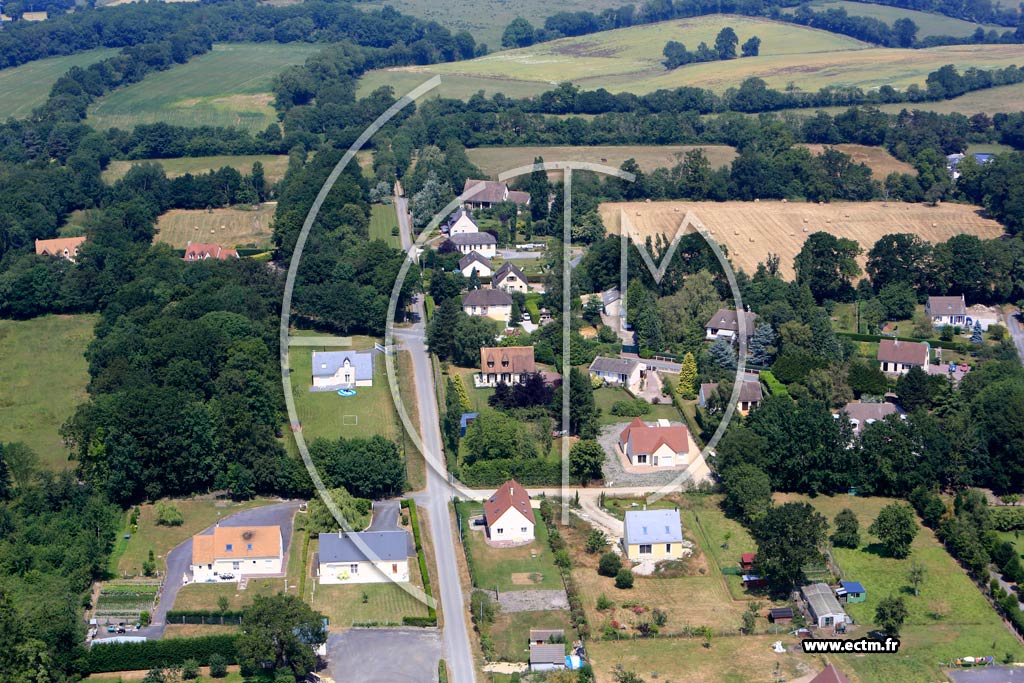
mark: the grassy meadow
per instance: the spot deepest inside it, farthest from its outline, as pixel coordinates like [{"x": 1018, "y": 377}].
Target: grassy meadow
[
  {"x": 229, "y": 86},
  {"x": 274, "y": 165},
  {"x": 928, "y": 23},
  {"x": 25, "y": 87},
  {"x": 605, "y": 398},
  {"x": 227, "y": 227},
  {"x": 382, "y": 220},
  {"x": 43, "y": 373},
  {"x": 494, "y": 160},
  {"x": 629, "y": 60}
]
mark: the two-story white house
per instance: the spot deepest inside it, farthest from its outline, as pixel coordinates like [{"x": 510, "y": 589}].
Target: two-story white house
[
  {"x": 510, "y": 279},
  {"x": 462, "y": 223},
  {"x": 231, "y": 552},
  {"x": 482, "y": 243},
  {"x": 660, "y": 445},
  {"x": 504, "y": 364},
  {"x": 364, "y": 557},
  {"x": 489, "y": 303},
  {"x": 508, "y": 515},
  {"x": 724, "y": 324}
]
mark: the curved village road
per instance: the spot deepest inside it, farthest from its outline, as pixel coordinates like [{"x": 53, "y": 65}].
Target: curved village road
[{"x": 178, "y": 560}]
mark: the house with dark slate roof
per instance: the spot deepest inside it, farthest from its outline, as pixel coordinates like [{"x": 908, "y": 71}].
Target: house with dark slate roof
[
  {"x": 488, "y": 303},
  {"x": 617, "y": 371},
  {"x": 342, "y": 370},
  {"x": 364, "y": 557},
  {"x": 492, "y": 193},
  {"x": 474, "y": 261},
  {"x": 482, "y": 243},
  {"x": 898, "y": 357},
  {"x": 510, "y": 279},
  {"x": 724, "y": 324}
]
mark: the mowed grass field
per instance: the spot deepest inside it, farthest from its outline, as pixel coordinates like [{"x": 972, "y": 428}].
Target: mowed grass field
[
  {"x": 629, "y": 60},
  {"x": 928, "y": 24},
  {"x": 25, "y": 87},
  {"x": 878, "y": 159},
  {"x": 494, "y": 160},
  {"x": 382, "y": 219},
  {"x": 229, "y": 86},
  {"x": 753, "y": 230},
  {"x": 43, "y": 373},
  {"x": 274, "y": 166},
  {"x": 227, "y": 227}
]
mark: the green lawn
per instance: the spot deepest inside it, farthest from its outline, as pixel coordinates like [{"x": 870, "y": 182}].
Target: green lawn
[
  {"x": 233, "y": 677},
  {"x": 382, "y": 220},
  {"x": 605, "y": 397},
  {"x": 25, "y": 87},
  {"x": 274, "y": 165},
  {"x": 229, "y": 86},
  {"x": 199, "y": 513},
  {"x": 325, "y": 414},
  {"x": 33, "y": 402},
  {"x": 521, "y": 568},
  {"x": 511, "y": 632}
]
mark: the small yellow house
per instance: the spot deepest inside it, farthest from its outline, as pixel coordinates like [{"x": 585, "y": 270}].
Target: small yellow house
[{"x": 653, "y": 535}]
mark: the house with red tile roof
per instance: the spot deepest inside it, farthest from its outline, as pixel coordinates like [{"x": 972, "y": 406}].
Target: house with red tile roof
[
  {"x": 196, "y": 251},
  {"x": 508, "y": 516},
  {"x": 661, "y": 445},
  {"x": 62, "y": 247}
]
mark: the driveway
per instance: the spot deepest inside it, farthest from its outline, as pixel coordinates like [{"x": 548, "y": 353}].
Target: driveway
[
  {"x": 385, "y": 518},
  {"x": 180, "y": 558},
  {"x": 1013, "y": 324},
  {"x": 384, "y": 655},
  {"x": 991, "y": 674}
]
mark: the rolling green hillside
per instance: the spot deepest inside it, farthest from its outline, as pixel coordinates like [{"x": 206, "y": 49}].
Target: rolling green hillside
[{"x": 25, "y": 87}]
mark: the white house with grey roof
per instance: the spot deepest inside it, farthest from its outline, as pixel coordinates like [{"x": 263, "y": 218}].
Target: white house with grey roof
[
  {"x": 617, "y": 371},
  {"x": 652, "y": 535},
  {"x": 342, "y": 370},
  {"x": 823, "y": 605},
  {"x": 474, "y": 261},
  {"x": 342, "y": 558},
  {"x": 482, "y": 243},
  {"x": 725, "y": 324}
]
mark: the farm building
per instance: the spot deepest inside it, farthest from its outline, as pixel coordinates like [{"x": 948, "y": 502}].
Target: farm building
[
  {"x": 342, "y": 369},
  {"x": 780, "y": 615},
  {"x": 852, "y": 591},
  {"x": 663, "y": 445},
  {"x": 862, "y": 414},
  {"x": 747, "y": 561},
  {"x": 231, "y": 552},
  {"x": 617, "y": 371},
  {"x": 751, "y": 394},
  {"x": 547, "y": 657},
  {"x": 724, "y": 324},
  {"x": 540, "y": 636},
  {"x": 462, "y": 223},
  {"x": 652, "y": 535},
  {"x": 823, "y": 606},
  {"x": 510, "y": 279},
  {"x": 364, "y": 557},
  {"x": 508, "y": 515},
  {"x": 897, "y": 357},
  {"x": 62, "y": 247},
  {"x": 504, "y": 364},
  {"x": 482, "y": 243},
  {"x": 492, "y": 193},
  {"x": 474, "y": 261},
  {"x": 196, "y": 251},
  {"x": 946, "y": 310}
]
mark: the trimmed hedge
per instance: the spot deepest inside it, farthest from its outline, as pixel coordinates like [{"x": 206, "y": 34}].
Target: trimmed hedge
[
  {"x": 414, "y": 521},
  {"x": 935, "y": 343},
  {"x": 198, "y": 616},
  {"x": 775, "y": 387},
  {"x": 159, "y": 654}
]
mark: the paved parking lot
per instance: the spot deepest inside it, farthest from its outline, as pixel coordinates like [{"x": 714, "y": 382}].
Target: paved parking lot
[
  {"x": 384, "y": 655},
  {"x": 992, "y": 674}
]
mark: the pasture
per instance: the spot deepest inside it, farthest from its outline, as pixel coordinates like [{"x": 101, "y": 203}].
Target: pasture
[
  {"x": 752, "y": 230},
  {"x": 494, "y": 160},
  {"x": 274, "y": 166},
  {"x": 229, "y": 86},
  {"x": 928, "y": 23},
  {"x": 25, "y": 87},
  {"x": 43, "y": 373},
  {"x": 228, "y": 227},
  {"x": 1005, "y": 98},
  {"x": 878, "y": 159},
  {"x": 382, "y": 219},
  {"x": 629, "y": 60}
]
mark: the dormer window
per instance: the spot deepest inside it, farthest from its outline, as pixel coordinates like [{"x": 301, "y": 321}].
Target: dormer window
[
  {"x": 490, "y": 363},
  {"x": 504, "y": 363},
  {"x": 248, "y": 546}
]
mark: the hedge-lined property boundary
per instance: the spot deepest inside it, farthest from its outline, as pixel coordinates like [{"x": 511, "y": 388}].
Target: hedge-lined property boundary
[
  {"x": 198, "y": 616},
  {"x": 414, "y": 522},
  {"x": 937, "y": 343},
  {"x": 159, "y": 654}
]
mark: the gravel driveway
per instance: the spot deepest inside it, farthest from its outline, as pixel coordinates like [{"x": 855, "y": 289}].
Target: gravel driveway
[
  {"x": 615, "y": 475},
  {"x": 384, "y": 655}
]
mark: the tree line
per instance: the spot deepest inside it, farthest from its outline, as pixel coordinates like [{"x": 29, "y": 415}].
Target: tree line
[{"x": 676, "y": 54}]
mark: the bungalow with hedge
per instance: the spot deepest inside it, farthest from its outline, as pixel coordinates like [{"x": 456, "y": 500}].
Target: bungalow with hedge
[{"x": 364, "y": 557}]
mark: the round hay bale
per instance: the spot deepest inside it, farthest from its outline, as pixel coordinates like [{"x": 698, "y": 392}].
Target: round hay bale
[
  {"x": 807, "y": 220},
  {"x": 935, "y": 225},
  {"x": 735, "y": 232},
  {"x": 805, "y": 229},
  {"x": 783, "y": 200},
  {"x": 638, "y": 213},
  {"x": 751, "y": 239},
  {"x": 756, "y": 200},
  {"x": 676, "y": 209},
  {"x": 648, "y": 201}
]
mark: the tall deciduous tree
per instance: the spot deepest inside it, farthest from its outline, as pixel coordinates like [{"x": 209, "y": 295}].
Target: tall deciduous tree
[
  {"x": 789, "y": 538},
  {"x": 725, "y": 43},
  {"x": 847, "y": 533},
  {"x": 748, "y": 491},
  {"x": 751, "y": 47},
  {"x": 826, "y": 263},
  {"x": 890, "y": 615},
  {"x": 280, "y": 633},
  {"x": 895, "y": 528},
  {"x": 586, "y": 458}
]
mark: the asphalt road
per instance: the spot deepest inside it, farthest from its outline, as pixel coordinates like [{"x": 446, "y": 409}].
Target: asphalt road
[
  {"x": 990, "y": 674},
  {"x": 391, "y": 655},
  {"x": 1013, "y": 323},
  {"x": 435, "y": 499},
  {"x": 180, "y": 558}
]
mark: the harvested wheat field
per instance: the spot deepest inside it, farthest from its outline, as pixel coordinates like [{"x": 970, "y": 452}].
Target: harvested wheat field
[
  {"x": 878, "y": 159},
  {"x": 752, "y": 230},
  {"x": 227, "y": 227}
]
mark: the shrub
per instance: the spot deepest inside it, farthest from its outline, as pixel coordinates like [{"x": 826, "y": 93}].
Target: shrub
[
  {"x": 659, "y": 616},
  {"x": 596, "y": 542},
  {"x": 190, "y": 669},
  {"x": 624, "y": 578},
  {"x": 562, "y": 558},
  {"x": 168, "y": 515},
  {"x": 145, "y": 618},
  {"x": 159, "y": 653},
  {"x": 609, "y": 564},
  {"x": 632, "y": 408},
  {"x": 604, "y": 603},
  {"x": 218, "y": 666}
]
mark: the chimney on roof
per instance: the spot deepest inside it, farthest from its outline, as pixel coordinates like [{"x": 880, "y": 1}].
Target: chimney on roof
[{"x": 511, "y": 490}]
